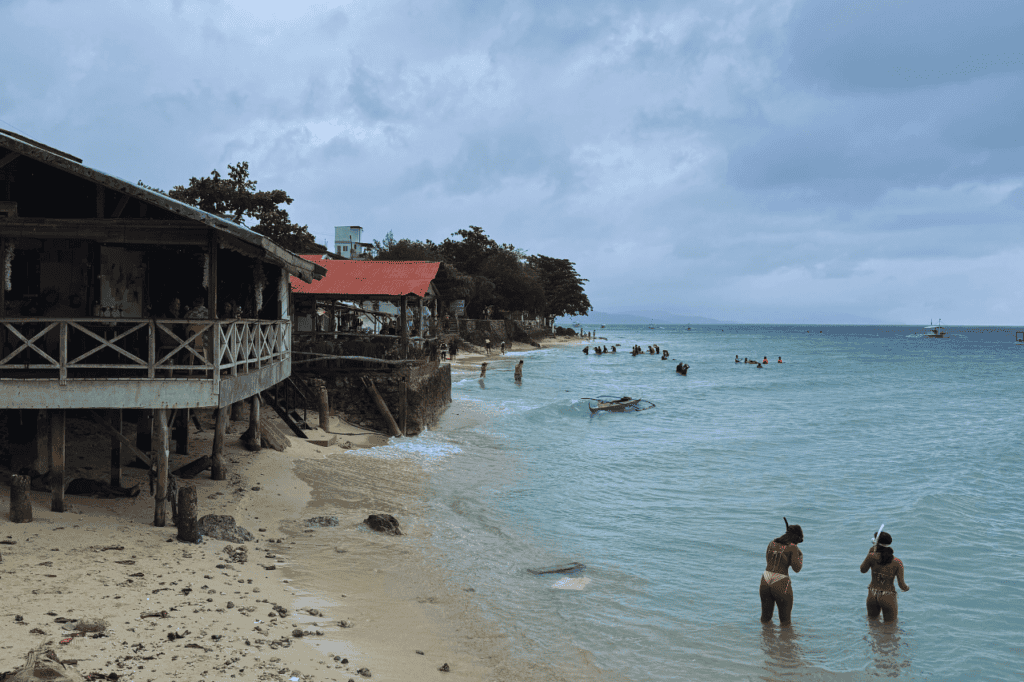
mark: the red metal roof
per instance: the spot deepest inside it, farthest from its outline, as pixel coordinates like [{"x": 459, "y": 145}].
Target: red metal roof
[{"x": 369, "y": 278}]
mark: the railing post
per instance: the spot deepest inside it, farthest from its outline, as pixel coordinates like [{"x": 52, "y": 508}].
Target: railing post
[
  {"x": 151, "y": 369},
  {"x": 215, "y": 357},
  {"x": 63, "y": 353}
]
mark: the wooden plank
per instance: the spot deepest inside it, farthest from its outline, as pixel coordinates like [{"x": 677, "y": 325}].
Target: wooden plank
[
  {"x": 285, "y": 417},
  {"x": 382, "y": 406},
  {"x": 163, "y": 445},
  {"x": 11, "y": 156},
  {"x": 101, "y": 198},
  {"x": 57, "y": 419},
  {"x": 116, "y": 433},
  {"x": 117, "y": 423},
  {"x": 119, "y": 209}
]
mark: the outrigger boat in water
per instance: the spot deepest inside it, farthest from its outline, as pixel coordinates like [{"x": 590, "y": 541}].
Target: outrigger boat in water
[
  {"x": 935, "y": 331},
  {"x": 607, "y": 403}
]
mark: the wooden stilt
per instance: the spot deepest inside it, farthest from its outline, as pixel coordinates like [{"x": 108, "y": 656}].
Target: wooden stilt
[
  {"x": 325, "y": 410},
  {"x": 116, "y": 420},
  {"x": 254, "y": 422},
  {"x": 21, "y": 503},
  {"x": 181, "y": 429},
  {"x": 382, "y": 406},
  {"x": 236, "y": 411},
  {"x": 188, "y": 522},
  {"x": 218, "y": 472},
  {"x": 403, "y": 405},
  {"x": 42, "y": 461},
  {"x": 57, "y": 418},
  {"x": 163, "y": 446}
]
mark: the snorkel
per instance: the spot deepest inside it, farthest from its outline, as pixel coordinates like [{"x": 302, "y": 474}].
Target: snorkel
[{"x": 874, "y": 540}]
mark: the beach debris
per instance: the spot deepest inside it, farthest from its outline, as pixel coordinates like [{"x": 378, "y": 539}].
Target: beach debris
[
  {"x": 37, "y": 631},
  {"x": 153, "y": 614},
  {"x": 420, "y": 652},
  {"x": 365, "y": 672},
  {"x": 322, "y": 522},
  {"x": 238, "y": 555},
  {"x": 345, "y": 623},
  {"x": 8, "y": 541},
  {"x": 42, "y": 663},
  {"x": 558, "y": 568},
  {"x": 223, "y": 527},
  {"x": 91, "y": 625},
  {"x": 383, "y": 523},
  {"x": 176, "y": 635},
  {"x": 19, "y": 619},
  {"x": 445, "y": 669}
]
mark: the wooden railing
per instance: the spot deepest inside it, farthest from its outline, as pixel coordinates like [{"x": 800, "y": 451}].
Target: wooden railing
[{"x": 90, "y": 348}]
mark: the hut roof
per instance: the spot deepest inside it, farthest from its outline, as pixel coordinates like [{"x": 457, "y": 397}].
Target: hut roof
[
  {"x": 369, "y": 278},
  {"x": 21, "y": 145}
]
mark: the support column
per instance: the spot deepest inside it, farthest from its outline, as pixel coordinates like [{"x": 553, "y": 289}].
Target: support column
[
  {"x": 218, "y": 472},
  {"x": 144, "y": 431},
  {"x": 403, "y": 324},
  {"x": 236, "y": 411},
  {"x": 57, "y": 418},
  {"x": 116, "y": 420},
  {"x": 403, "y": 405},
  {"x": 254, "y": 422},
  {"x": 181, "y": 431},
  {"x": 324, "y": 409},
  {"x": 21, "y": 503},
  {"x": 162, "y": 447}
]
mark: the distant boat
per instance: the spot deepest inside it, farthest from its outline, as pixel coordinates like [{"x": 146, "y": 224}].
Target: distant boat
[
  {"x": 602, "y": 326},
  {"x": 935, "y": 331},
  {"x": 623, "y": 404}
]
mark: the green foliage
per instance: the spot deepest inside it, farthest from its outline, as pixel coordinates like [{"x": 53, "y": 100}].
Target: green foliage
[
  {"x": 476, "y": 268},
  {"x": 237, "y": 199}
]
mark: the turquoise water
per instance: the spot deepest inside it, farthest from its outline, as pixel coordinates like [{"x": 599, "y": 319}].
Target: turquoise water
[{"x": 671, "y": 509}]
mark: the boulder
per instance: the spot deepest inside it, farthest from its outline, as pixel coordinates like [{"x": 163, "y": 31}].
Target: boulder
[
  {"x": 383, "y": 523},
  {"x": 222, "y": 527}
]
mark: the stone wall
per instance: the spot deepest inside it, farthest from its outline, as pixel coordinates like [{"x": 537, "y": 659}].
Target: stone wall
[{"x": 429, "y": 392}]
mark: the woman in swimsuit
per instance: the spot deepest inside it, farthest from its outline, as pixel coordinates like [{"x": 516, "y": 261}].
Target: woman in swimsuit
[
  {"x": 884, "y": 567},
  {"x": 776, "y": 587}
]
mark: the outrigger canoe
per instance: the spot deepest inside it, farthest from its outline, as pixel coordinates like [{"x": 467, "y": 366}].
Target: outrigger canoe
[{"x": 623, "y": 404}]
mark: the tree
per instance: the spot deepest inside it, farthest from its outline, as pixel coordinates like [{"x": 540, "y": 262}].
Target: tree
[
  {"x": 405, "y": 249},
  {"x": 563, "y": 287},
  {"x": 236, "y": 198}
]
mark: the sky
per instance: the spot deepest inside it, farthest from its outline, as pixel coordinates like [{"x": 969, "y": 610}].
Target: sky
[{"x": 775, "y": 161}]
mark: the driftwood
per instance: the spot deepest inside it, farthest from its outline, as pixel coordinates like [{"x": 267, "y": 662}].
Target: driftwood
[
  {"x": 193, "y": 468},
  {"x": 382, "y": 406}
]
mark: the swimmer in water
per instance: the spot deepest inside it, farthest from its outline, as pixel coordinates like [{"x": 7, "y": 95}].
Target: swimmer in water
[
  {"x": 519, "y": 372},
  {"x": 776, "y": 587},
  {"x": 780, "y": 359},
  {"x": 483, "y": 369},
  {"x": 765, "y": 361},
  {"x": 737, "y": 358},
  {"x": 884, "y": 568}
]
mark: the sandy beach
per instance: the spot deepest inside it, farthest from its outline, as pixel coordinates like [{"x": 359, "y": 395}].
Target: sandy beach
[{"x": 308, "y": 601}]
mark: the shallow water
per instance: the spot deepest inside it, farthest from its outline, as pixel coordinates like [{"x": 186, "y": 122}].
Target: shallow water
[{"x": 671, "y": 508}]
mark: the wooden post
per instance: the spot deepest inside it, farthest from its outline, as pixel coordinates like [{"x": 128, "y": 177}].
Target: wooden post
[
  {"x": 180, "y": 427},
  {"x": 57, "y": 418},
  {"x": 144, "y": 431},
  {"x": 21, "y": 503},
  {"x": 254, "y": 422},
  {"x": 217, "y": 469},
  {"x": 382, "y": 406},
  {"x": 163, "y": 454},
  {"x": 116, "y": 420},
  {"x": 419, "y": 318},
  {"x": 236, "y": 411},
  {"x": 325, "y": 410},
  {"x": 403, "y": 324},
  {"x": 403, "y": 405},
  {"x": 211, "y": 291},
  {"x": 42, "y": 459},
  {"x": 188, "y": 515}
]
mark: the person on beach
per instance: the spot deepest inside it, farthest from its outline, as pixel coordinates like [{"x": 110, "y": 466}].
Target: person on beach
[
  {"x": 454, "y": 349},
  {"x": 483, "y": 369},
  {"x": 776, "y": 587},
  {"x": 502, "y": 347},
  {"x": 884, "y": 568},
  {"x": 519, "y": 372},
  {"x": 487, "y": 346}
]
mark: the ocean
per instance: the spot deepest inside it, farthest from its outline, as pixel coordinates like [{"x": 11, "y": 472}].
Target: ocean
[{"x": 670, "y": 509}]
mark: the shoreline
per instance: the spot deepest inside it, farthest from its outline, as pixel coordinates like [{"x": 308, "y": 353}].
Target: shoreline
[{"x": 104, "y": 559}]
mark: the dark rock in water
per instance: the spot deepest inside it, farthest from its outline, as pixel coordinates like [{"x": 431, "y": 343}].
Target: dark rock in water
[
  {"x": 383, "y": 523},
  {"x": 560, "y": 568},
  {"x": 222, "y": 527},
  {"x": 322, "y": 521}
]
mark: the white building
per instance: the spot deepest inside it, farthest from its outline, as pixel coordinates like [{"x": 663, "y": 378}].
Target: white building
[{"x": 349, "y": 244}]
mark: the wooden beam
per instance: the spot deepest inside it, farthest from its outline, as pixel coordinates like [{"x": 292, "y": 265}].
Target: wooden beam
[
  {"x": 119, "y": 209},
  {"x": 57, "y": 419},
  {"x": 101, "y": 199},
  {"x": 8, "y": 158},
  {"x": 102, "y": 421},
  {"x": 404, "y": 332},
  {"x": 163, "y": 454},
  {"x": 212, "y": 302},
  {"x": 382, "y": 406},
  {"x": 115, "y": 448}
]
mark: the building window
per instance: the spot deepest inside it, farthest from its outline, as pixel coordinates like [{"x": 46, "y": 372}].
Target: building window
[{"x": 344, "y": 248}]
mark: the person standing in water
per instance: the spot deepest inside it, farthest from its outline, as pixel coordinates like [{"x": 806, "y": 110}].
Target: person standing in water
[
  {"x": 884, "y": 568},
  {"x": 776, "y": 587},
  {"x": 483, "y": 370},
  {"x": 519, "y": 372}
]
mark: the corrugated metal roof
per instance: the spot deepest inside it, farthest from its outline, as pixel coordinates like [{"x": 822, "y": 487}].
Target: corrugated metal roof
[
  {"x": 73, "y": 165},
  {"x": 369, "y": 278}
]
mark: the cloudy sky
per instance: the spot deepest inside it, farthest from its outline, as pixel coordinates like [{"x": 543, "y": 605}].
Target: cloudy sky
[{"x": 755, "y": 161}]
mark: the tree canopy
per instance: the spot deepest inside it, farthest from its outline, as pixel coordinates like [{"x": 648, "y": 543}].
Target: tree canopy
[
  {"x": 236, "y": 198},
  {"x": 484, "y": 273}
]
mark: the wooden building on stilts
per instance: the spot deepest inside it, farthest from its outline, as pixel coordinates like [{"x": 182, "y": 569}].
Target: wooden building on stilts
[{"x": 119, "y": 300}]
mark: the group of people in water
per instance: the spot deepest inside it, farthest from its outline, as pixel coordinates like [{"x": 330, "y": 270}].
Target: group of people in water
[
  {"x": 517, "y": 373},
  {"x": 760, "y": 363},
  {"x": 598, "y": 350},
  {"x": 654, "y": 349},
  {"x": 782, "y": 554}
]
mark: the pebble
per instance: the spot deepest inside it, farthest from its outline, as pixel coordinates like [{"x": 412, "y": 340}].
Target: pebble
[
  {"x": 296, "y": 632},
  {"x": 445, "y": 669},
  {"x": 365, "y": 672}
]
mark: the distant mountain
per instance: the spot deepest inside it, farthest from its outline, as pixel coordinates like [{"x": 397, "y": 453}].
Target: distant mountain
[{"x": 638, "y": 317}]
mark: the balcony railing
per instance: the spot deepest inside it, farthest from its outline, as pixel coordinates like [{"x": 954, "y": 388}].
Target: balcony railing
[{"x": 107, "y": 348}]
